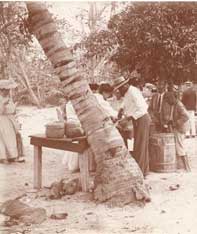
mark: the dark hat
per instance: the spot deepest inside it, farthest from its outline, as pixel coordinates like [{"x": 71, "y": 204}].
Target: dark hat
[
  {"x": 135, "y": 74},
  {"x": 93, "y": 86},
  {"x": 105, "y": 87},
  {"x": 119, "y": 82}
]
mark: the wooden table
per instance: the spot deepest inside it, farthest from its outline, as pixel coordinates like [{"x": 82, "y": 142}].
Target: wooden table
[{"x": 78, "y": 145}]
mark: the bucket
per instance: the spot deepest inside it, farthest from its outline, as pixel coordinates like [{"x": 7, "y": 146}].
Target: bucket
[
  {"x": 162, "y": 153},
  {"x": 73, "y": 129},
  {"x": 55, "y": 130}
]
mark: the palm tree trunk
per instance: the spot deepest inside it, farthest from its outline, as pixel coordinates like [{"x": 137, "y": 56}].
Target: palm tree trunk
[{"x": 118, "y": 177}]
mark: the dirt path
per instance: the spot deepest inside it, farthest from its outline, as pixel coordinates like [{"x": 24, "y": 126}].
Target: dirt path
[{"x": 170, "y": 212}]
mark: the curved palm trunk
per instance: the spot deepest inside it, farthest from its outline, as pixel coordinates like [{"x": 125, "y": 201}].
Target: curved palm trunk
[{"x": 118, "y": 176}]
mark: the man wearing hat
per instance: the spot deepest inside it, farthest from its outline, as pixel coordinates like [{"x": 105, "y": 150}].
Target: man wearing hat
[
  {"x": 178, "y": 123},
  {"x": 135, "y": 109},
  {"x": 156, "y": 105}
]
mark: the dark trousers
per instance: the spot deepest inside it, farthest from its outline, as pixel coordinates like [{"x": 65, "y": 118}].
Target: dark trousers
[
  {"x": 141, "y": 142},
  {"x": 19, "y": 145},
  {"x": 125, "y": 135}
]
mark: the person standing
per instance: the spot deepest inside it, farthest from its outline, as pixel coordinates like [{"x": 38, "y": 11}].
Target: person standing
[
  {"x": 11, "y": 147},
  {"x": 178, "y": 123},
  {"x": 189, "y": 99},
  {"x": 135, "y": 109},
  {"x": 155, "y": 105}
]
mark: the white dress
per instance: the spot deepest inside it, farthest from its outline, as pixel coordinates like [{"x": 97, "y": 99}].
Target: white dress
[{"x": 8, "y": 143}]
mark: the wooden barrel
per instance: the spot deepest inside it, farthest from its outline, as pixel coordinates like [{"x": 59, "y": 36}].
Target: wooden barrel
[
  {"x": 196, "y": 123},
  {"x": 162, "y": 153}
]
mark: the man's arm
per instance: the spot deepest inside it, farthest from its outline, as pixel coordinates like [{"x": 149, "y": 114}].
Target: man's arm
[{"x": 183, "y": 115}]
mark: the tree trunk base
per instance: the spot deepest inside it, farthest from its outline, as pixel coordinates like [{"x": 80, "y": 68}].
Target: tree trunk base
[
  {"x": 120, "y": 180},
  {"x": 123, "y": 200}
]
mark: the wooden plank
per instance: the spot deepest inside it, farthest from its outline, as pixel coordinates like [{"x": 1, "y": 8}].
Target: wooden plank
[
  {"x": 84, "y": 171},
  {"x": 61, "y": 144},
  {"x": 91, "y": 160},
  {"x": 43, "y": 136},
  {"x": 37, "y": 167}
]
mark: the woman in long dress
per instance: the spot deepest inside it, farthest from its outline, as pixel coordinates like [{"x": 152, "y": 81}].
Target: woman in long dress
[{"x": 9, "y": 127}]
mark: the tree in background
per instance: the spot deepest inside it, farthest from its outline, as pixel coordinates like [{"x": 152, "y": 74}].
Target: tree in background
[
  {"x": 21, "y": 56},
  {"x": 159, "y": 39},
  {"x": 93, "y": 59},
  {"x": 13, "y": 33}
]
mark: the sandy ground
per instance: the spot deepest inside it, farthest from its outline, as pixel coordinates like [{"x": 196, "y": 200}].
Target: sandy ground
[{"x": 170, "y": 212}]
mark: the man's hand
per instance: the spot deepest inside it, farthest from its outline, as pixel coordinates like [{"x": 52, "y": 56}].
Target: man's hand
[
  {"x": 114, "y": 119},
  {"x": 165, "y": 126},
  {"x": 120, "y": 113}
]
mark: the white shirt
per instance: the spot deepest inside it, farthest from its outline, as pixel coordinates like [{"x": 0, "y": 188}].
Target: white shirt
[
  {"x": 134, "y": 104},
  {"x": 107, "y": 108},
  {"x": 115, "y": 103}
]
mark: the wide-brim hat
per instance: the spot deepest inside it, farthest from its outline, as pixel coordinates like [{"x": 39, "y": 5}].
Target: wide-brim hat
[
  {"x": 150, "y": 86},
  {"x": 7, "y": 84},
  {"x": 119, "y": 82}
]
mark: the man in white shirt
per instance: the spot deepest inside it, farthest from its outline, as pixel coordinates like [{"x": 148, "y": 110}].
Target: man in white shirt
[{"x": 135, "y": 109}]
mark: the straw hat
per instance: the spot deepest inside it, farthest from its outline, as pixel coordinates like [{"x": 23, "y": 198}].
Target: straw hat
[
  {"x": 150, "y": 86},
  {"x": 119, "y": 82},
  {"x": 7, "y": 84}
]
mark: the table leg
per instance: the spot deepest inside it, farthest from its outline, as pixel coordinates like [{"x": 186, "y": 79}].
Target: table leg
[
  {"x": 37, "y": 167},
  {"x": 91, "y": 160},
  {"x": 84, "y": 171}
]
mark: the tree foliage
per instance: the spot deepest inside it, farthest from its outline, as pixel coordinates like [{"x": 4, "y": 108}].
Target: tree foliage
[
  {"x": 13, "y": 31},
  {"x": 157, "y": 38},
  {"x": 21, "y": 56}
]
